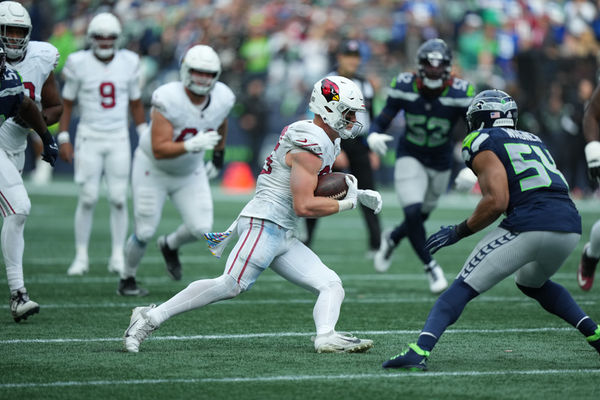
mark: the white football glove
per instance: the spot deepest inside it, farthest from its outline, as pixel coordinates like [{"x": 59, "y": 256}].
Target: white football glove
[
  {"x": 592, "y": 156},
  {"x": 370, "y": 198},
  {"x": 211, "y": 171},
  {"x": 377, "y": 142},
  {"x": 202, "y": 141},
  {"x": 465, "y": 180},
  {"x": 349, "y": 202}
]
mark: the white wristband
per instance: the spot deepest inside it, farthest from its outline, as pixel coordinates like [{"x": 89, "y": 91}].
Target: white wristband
[
  {"x": 345, "y": 205},
  {"x": 141, "y": 128},
  {"x": 63, "y": 138}
]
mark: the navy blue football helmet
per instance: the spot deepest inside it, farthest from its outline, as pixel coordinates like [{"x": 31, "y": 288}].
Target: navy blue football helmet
[
  {"x": 434, "y": 59},
  {"x": 492, "y": 108}
]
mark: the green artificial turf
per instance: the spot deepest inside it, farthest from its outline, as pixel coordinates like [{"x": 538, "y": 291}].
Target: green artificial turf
[{"x": 258, "y": 346}]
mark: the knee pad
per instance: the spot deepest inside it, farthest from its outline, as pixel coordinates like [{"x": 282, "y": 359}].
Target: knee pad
[
  {"x": 88, "y": 195},
  {"x": 199, "y": 230},
  {"x": 413, "y": 214},
  {"x": 22, "y": 207},
  {"x": 334, "y": 284},
  {"x": 229, "y": 285},
  {"x": 117, "y": 194},
  {"x": 143, "y": 233}
]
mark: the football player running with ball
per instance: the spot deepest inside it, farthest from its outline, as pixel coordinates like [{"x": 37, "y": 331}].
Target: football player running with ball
[
  {"x": 35, "y": 62},
  {"x": 519, "y": 178},
  {"x": 284, "y": 192},
  {"x": 591, "y": 131},
  {"x": 105, "y": 81},
  {"x": 433, "y": 102},
  {"x": 187, "y": 118}
]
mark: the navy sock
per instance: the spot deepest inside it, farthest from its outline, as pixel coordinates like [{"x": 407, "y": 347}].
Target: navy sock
[
  {"x": 558, "y": 301},
  {"x": 415, "y": 231},
  {"x": 446, "y": 310},
  {"x": 399, "y": 233}
]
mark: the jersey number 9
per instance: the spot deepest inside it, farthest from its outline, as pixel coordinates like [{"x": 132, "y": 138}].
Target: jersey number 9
[{"x": 107, "y": 92}]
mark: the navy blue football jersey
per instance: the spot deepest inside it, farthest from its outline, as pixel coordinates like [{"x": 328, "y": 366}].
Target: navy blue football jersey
[
  {"x": 539, "y": 194},
  {"x": 429, "y": 120},
  {"x": 11, "y": 94}
]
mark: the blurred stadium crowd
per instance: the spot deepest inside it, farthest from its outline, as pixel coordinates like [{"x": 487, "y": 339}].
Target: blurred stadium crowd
[{"x": 544, "y": 53}]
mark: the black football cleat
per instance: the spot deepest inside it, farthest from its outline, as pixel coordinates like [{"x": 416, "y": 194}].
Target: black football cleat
[{"x": 171, "y": 257}]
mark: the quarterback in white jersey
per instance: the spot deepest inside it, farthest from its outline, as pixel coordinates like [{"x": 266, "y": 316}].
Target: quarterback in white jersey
[
  {"x": 105, "y": 81},
  {"x": 34, "y": 62},
  {"x": 285, "y": 192},
  {"x": 187, "y": 118}
]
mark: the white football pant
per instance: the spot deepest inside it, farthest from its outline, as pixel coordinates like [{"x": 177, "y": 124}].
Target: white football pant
[{"x": 415, "y": 183}]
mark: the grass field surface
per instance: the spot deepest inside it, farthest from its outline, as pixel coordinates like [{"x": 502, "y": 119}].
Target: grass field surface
[{"x": 258, "y": 346}]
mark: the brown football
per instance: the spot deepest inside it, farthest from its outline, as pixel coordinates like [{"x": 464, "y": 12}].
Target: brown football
[{"x": 332, "y": 185}]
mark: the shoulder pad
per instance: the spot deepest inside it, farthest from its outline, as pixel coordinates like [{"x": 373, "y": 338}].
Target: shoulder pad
[
  {"x": 71, "y": 65},
  {"x": 472, "y": 143},
  {"x": 129, "y": 55},
  {"x": 224, "y": 94},
  {"x": 163, "y": 96},
  {"x": 404, "y": 87},
  {"x": 461, "y": 87},
  {"x": 307, "y": 136},
  {"x": 45, "y": 51}
]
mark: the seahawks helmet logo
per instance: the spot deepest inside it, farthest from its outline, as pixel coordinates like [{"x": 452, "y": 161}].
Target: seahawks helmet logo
[{"x": 330, "y": 90}]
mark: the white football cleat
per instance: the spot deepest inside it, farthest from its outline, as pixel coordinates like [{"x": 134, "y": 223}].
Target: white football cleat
[
  {"x": 435, "y": 275},
  {"x": 79, "y": 266},
  {"x": 383, "y": 257},
  {"x": 116, "y": 264},
  {"x": 341, "y": 342},
  {"x": 21, "y": 306},
  {"x": 139, "y": 329}
]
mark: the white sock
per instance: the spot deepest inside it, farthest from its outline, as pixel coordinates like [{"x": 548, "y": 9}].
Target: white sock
[
  {"x": 13, "y": 245},
  {"x": 181, "y": 236},
  {"x": 196, "y": 295},
  {"x": 327, "y": 308},
  {"x": 594, "y": 247},
  {"x": 134, "y": 251},
  {"x": 83, "y": 226},
  {"x": 118, "y": 228}
]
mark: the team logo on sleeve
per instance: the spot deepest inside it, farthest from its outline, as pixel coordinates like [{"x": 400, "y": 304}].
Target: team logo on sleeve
[{"x": 330, "y": 90}]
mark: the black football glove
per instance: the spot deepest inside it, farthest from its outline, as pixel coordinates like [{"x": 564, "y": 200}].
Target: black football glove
[{"x": 50, "y": 152}]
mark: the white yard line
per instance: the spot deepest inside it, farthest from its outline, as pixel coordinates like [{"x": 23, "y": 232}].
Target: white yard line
[
  {"x": 268, "y": 277},
  {"x": 347, "y": 300},
  {"x": 243, "y": 336},
  {"x": 297, "y": 378}
]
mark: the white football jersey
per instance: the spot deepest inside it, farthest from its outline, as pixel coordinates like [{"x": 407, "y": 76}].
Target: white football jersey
[
  {"x": 103, "y": 90},
  {"x": 40, "y": 59},
  {"x": 273, "y": 200},
  {"x": 187, "y": 120}
]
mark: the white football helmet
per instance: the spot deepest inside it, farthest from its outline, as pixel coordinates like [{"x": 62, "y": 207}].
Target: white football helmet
[
  {"x": 103, "y": 34},
  {"x": 13, "y": 14},
  {"x": 200, "y": 58},
  {"x": 332, "y": 99}
]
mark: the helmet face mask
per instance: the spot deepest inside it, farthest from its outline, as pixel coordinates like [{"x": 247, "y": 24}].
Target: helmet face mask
[
  {"x": 200, "y": 69},
  {"x": 434, "y": 60},
  {"x": 337, "y": 100},
  {"x": 15, "y": 29},
  {"x": 492, "y": 109},
  {"x": 103, "y": 34}
]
